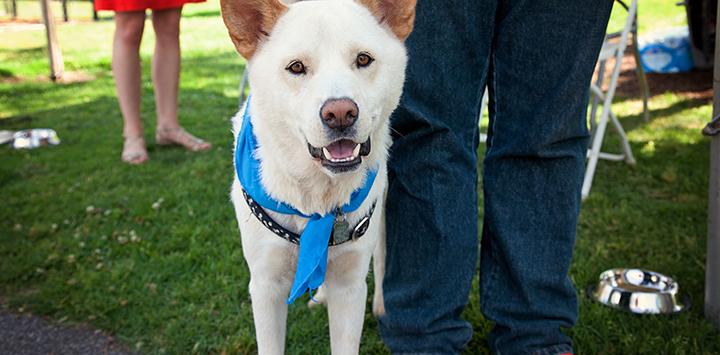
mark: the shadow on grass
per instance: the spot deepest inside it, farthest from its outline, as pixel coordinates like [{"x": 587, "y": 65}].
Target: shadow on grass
[
  {"x": 13, "y": 54},
  {"x": 102, "y": 107},
  {"x": 4, "y": 73},
  {"x": 634, "y": 121}
]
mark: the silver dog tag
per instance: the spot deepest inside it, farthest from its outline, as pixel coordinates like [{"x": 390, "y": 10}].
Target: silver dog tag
[{"x": 341, "y": 229}]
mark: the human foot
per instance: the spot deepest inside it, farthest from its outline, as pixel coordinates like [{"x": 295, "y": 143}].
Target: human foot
[
  {"x": 181, "y": 137},
  {"x": 134, "y": 151}
]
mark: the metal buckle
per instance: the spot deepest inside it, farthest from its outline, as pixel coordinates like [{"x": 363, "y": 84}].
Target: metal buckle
[{"x": 361, "y": 228}]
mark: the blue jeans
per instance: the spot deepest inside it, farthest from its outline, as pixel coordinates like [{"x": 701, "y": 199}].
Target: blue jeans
[{"x": 537, "y": 59}]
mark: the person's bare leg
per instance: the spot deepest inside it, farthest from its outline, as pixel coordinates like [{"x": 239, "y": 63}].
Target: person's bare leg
[
  {"x": 166, "y": 74},
  {"x": 126, "y": 70},
  {"x": 166, "y": 65}
]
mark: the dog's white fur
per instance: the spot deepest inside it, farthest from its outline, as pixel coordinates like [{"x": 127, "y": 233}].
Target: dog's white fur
[{"x": 326, "y": 36}]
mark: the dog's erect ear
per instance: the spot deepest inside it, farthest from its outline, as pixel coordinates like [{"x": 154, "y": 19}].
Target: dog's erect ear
[
  {"x": 250, "y": 21},
  {"x": 398, "y": 15}
]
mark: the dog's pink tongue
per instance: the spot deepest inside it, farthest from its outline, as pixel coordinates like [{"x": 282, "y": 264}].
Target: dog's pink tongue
[{"x": 341, "y": 149}]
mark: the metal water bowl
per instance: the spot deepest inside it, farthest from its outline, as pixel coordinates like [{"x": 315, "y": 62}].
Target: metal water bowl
[{"x": 637, "y": 291}]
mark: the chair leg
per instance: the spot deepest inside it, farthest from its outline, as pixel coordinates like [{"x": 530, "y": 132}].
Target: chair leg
[
  {"x": 589, "y": 174},
  {"x": 642, "y": 78},
  {"x": 627, "y": 150},
  {"x": 596, "y": 99},
  {"x": 594, "y": 153}
]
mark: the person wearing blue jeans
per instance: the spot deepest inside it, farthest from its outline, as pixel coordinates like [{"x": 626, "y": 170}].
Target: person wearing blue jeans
[{"x": 537, "y": 58}]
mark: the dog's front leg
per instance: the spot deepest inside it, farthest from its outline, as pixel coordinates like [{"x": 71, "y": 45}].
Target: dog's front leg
[
  {"x": 270, "y": 281},
  {"x": 346, "y": 292},
  {"x": 270, "y": 313}
]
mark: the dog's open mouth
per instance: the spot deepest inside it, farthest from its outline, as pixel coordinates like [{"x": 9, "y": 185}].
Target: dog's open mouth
[{"x": 342, "y": 155}]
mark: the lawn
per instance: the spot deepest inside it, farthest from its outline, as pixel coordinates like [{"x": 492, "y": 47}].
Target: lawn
[{"x": 152, "y": 253}]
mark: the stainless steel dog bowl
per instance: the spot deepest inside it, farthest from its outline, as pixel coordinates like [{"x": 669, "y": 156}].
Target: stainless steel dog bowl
[{"x": 637, "y": 291}]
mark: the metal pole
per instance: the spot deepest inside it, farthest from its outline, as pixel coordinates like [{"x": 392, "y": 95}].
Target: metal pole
[
  {"x": 640, "y": 71},
  {"x": 57, "y": 67},
  {"x": 65, "y": 11},
  {"x": 712, "y": 266}
]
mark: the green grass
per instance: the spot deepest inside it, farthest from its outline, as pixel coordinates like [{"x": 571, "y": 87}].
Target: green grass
[
  {"x": 180, "y": 285},
  {"x": 653, "y": 15}
]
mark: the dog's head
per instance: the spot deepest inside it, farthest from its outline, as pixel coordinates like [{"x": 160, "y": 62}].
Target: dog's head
[{"x": 325, "y": 75}]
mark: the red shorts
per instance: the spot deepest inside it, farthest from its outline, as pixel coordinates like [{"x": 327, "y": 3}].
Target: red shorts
[{"x": 140, "y": 5}]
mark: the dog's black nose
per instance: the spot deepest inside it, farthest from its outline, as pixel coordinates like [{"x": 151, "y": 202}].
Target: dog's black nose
[{"x": 339, "y": 113}]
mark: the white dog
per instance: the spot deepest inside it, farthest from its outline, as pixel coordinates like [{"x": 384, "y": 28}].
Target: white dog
[{"x": 325, "y": 77}]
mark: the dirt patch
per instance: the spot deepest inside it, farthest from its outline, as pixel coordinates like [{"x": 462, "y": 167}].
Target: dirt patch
[
  {"x": 696, "y": 84},
  {"x": 18, "y": 21},
  {"x": 18, "y": 25},
  {"x": 70, "y": 77},
  {"x": 22, "y": 333}
]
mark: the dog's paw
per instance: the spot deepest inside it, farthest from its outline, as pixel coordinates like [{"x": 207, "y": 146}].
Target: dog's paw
[
  {"x": 378, "y": 309},
  {"x": 318, "y": 298},
  {"x": 378, "y": 306}
]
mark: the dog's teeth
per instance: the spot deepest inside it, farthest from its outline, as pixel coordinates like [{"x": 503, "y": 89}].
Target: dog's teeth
[{"x": 329, "y": 157}]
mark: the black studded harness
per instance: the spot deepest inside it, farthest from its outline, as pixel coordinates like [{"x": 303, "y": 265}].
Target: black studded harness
[{"x": 341, "y": 232}]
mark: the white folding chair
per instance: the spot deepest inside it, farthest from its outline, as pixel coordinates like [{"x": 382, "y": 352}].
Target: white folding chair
[
  {"x": 614, "y": 46},
  {"x": 639, "y": 71}
]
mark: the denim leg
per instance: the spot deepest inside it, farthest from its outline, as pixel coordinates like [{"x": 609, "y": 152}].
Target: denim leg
[
  {"x": 432, "y": 196},
  {"x": 544, "y": 52}
]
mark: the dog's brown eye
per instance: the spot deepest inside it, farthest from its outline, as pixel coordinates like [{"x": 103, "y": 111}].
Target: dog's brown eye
[
  {"x": 296, "y": 67},
  {"x": 363, "y": 60}
]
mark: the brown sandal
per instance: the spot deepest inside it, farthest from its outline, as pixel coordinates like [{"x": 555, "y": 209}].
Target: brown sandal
[
  {"x": 181, "y": 137},
  {"x": 134, "y": 151}
]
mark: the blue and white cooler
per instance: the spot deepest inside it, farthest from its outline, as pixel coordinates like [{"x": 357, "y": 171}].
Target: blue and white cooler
[{"x": 666, "y": 52}]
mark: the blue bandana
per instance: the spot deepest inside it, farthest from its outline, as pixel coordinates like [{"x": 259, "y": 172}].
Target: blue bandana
[{"x": 312, "y": 260}]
